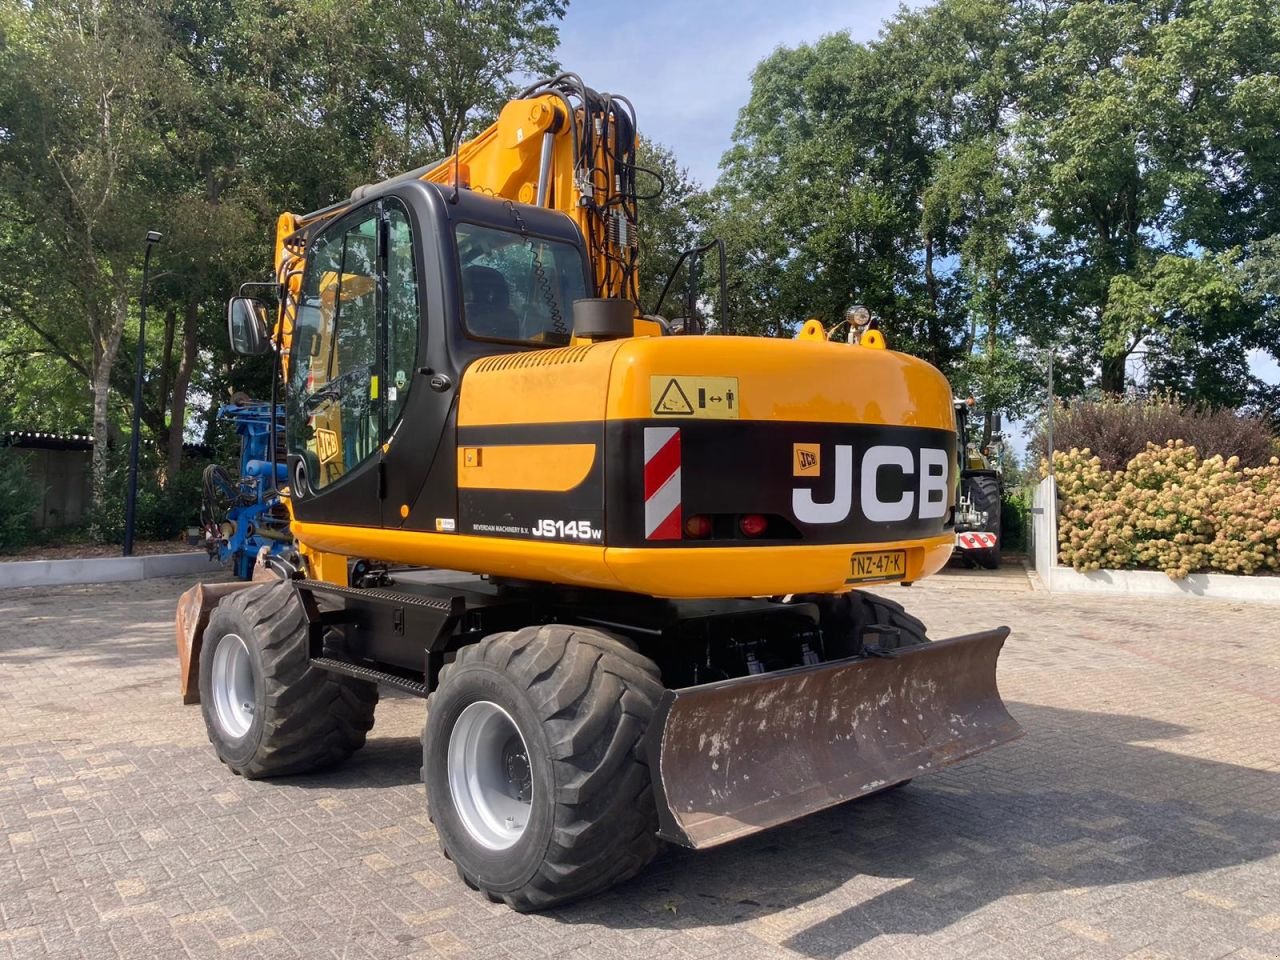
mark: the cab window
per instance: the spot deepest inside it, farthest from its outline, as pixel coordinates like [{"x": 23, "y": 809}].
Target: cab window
[
  {"x": 518, "y": 288},
  {"x": 334, "y": 396},
  {"x": 402, "y": 313}
]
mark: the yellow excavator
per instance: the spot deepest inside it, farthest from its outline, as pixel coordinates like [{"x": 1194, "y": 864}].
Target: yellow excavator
[{"x": 669, "y": 638}]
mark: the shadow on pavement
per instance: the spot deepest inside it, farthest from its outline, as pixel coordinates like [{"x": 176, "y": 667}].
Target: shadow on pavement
[
  {"x": 381, "y": 762},
  {"x": 1077, "y": 803}
]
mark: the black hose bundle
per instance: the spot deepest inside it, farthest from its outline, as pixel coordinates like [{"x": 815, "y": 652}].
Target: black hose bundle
[{"x": 603, "y": 127}]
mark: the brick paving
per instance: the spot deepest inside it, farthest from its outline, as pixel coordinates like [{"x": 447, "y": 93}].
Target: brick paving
[{"x": 1139, "y": 817}]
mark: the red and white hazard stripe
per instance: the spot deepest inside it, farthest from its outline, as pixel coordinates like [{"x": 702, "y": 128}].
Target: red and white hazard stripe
[
  {"x": 975, "y": 541},
  {"x": 662, "y": 519}
]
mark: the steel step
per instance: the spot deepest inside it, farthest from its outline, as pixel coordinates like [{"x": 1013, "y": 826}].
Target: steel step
[{"x": 415, "y": 687}]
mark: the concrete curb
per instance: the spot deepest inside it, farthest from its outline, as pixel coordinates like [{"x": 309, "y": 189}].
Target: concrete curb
[
  {"x": 1152, "y": 583},
  {"x": 56, "y": 573}
]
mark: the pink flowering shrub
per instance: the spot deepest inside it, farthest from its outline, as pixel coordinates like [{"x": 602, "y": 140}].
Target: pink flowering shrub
[{"x": 1168, "y": 510}]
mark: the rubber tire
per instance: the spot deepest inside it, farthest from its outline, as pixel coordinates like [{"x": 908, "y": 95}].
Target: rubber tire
[
  {"x": 984, "y": 493},
  {"x": 304, "y": 718},
  {"x": 582, "y": 699},
  {"x": 844, "y": 618},
  {"x": 878, "y": 611}
]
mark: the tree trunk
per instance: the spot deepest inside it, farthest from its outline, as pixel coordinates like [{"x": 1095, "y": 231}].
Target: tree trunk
[
  {"x": 931, "y": 285},
  {"x": 1113, "y": 374},
  {"x": 162, "y": 393},
  {"x": 181, "y": 383},
  {"x": 166, "y": 356},
  {"x": 105, "y": 351}
]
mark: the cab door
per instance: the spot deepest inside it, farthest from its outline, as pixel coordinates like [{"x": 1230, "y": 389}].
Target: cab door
[
  {"x": 336, "y": 395},
  {"x": 417, "y": 459}
]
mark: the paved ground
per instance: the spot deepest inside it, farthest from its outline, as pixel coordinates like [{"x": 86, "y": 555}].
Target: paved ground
[{"x": 1139, "y": 817}]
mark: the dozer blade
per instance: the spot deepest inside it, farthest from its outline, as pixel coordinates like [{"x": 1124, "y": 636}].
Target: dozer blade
[
  {"x": 738, "y": 756},
  {"x": 194, "y": 607}
]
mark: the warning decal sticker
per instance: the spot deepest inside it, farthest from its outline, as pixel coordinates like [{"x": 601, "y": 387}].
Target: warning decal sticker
[{"x": 712, "y": 398}]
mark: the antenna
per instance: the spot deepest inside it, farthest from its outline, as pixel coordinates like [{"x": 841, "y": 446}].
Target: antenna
[{"x": 457, "y": 178}]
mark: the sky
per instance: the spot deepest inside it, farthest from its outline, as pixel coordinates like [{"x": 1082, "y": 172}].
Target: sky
[{"x": 687, "y": 66}]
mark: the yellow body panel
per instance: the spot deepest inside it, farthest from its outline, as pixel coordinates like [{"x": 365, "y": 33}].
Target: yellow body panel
[
  {"x": 543, "y": 466},
  {"x": 544, "y": 386},
  {"x": 812, "y": 381},
  {"x": 690, "y": 572}
]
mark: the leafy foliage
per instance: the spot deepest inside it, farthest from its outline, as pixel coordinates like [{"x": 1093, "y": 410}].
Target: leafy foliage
[
  {"x": 203, "y": 120},
  {"x": 19, "y": 498},
  {"x": 1015, "y": 519},
  {"x": 669, "y": 217},
  {"x": 164, "y": 511},
  {"x": 995, "y": 177}
]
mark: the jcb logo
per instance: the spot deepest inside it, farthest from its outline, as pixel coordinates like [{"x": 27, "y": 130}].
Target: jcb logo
[
  {"x": 808, "y": 462},
  {"x": 326, "y": 445},
  {"x": 924, "y": 497}
]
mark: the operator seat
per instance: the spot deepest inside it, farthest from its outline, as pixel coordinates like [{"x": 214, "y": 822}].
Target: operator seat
[{"x": 488, "y": 304}]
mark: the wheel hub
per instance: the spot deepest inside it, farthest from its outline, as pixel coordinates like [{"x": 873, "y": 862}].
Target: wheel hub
[
  {"x": 490, "y": 778},
  {"x": 519, "y": 776},
  {"x": 234, "y": 688}
]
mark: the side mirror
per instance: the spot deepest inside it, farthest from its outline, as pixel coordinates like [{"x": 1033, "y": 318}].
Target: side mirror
[
  {"x": 997, "y": 424},
  {"x": 248, "y": 326}
]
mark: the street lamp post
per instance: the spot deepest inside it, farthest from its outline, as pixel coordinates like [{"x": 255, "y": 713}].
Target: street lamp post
[
  {"x": 1049, "y": 419},
  {"x": 131, "y": 504}
]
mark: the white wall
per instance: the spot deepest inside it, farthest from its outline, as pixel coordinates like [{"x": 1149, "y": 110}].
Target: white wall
[{"x": 1044, "y": 529}]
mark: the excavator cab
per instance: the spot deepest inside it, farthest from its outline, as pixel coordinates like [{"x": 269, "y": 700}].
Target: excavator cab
[{"x": 399, "y": 294}]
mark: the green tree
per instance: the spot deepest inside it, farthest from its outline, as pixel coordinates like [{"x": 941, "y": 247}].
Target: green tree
[
  {"x": 1148, "y": 132},
  {"x": 440, "y": 68},
  {"x": 995, "y": 176},
  {"x": 78, "y": 80},
  {"x": 669, "y": 219},
  {"x": 204, "y": 120}
]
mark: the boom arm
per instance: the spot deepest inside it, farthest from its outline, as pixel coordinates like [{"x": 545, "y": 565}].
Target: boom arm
[{"x": 564, "y": 146}]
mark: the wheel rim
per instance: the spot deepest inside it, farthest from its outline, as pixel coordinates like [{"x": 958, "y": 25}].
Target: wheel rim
[
  {"x": 489, "y": 775},
  {"x": 234, "y": 690}
]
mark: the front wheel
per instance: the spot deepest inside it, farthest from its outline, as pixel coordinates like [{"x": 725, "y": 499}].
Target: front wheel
[
  {"x": 533, "y": 762},
  {"x": 268, "y": 711}
]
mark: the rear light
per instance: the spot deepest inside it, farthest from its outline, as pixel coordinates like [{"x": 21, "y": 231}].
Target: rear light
[
  {"x": 752, "y": 524},
  {"x": 698, "y": 527}
]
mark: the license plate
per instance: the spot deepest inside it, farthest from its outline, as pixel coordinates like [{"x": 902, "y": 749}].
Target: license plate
[{"x": 879, "y": 565}]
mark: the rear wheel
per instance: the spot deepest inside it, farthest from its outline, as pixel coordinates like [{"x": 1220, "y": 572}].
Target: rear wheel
[
  {"x": 984, "y": 492},
  {"x": 268, "y": 711},
  {"x": 852, "y": 621},
  {"x": 533, "y": 762}
]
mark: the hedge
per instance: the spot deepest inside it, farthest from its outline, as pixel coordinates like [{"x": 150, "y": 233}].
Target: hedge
[
  {"x": 19, "y": 498},
  {"x": 1116, "y": 430},
  {"x": 1168, "y": 509}
]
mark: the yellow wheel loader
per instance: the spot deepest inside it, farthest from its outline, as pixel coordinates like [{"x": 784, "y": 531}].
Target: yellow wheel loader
[{"x": 670, "y": 638}]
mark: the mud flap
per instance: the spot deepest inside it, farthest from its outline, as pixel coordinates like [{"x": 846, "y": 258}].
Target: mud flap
[
  {"x": 738, "y": 756},
  {"x": 194, "y": 607}
]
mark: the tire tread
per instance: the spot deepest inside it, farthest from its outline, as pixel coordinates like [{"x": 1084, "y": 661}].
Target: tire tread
[
  {"x": 315, "y": 717},
  {"x": 595, "y": 696}
]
